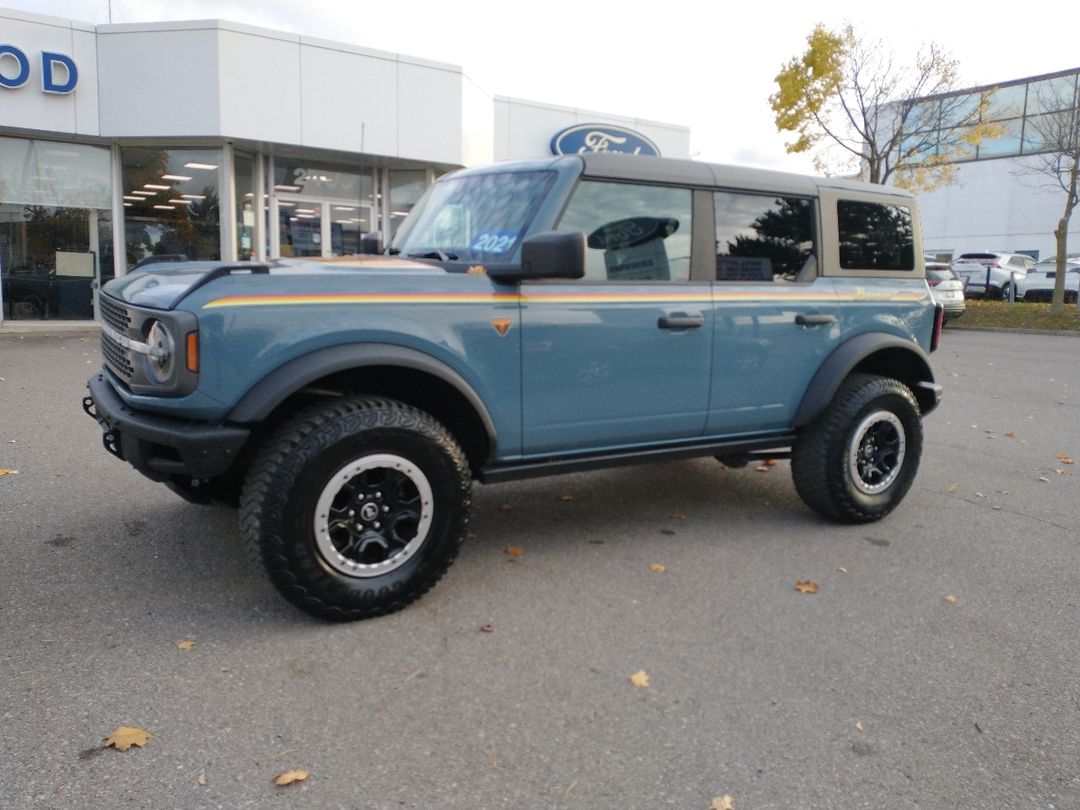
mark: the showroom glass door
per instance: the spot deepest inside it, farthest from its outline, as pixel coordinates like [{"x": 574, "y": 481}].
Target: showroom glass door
[
  {"x": 348, "y": 225},
  {"x": 300, "y": 228},
  {"x": 322, "y": 228}
]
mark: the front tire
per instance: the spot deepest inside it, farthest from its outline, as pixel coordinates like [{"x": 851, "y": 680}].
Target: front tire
[
  {"x": 856, "y": 463},
  {"x": 357, "y": 508}
]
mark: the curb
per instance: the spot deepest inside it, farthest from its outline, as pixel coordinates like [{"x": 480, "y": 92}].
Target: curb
[
  {"x": 48, "y": 328},
  {"x": 1053, "y": 332}
]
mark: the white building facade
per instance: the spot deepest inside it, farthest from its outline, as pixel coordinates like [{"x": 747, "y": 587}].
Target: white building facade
[
  {"x": 1000, "y": 201},
  {"x": 217, "y": 140}
]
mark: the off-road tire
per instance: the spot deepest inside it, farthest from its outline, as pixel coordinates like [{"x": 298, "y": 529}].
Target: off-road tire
[
  {"x": 858, "y": 460},
  {"x": 322, "y": 462}
]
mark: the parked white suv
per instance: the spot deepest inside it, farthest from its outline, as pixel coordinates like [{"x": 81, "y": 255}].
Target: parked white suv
[
  {"x": 972, "y": 269},
  {"x": 1038, "y": 282}
]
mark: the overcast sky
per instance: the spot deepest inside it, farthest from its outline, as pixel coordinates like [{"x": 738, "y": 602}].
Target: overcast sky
[{"x": 705, "y": 65}]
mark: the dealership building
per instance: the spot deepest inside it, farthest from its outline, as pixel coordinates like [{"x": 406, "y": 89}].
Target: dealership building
[
  {"x": 999, "y": 200},
  {"x": 217, "y": 140}
]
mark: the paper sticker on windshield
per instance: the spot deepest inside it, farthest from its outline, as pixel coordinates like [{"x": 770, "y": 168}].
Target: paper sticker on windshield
[{"x": 494, "y": 241}]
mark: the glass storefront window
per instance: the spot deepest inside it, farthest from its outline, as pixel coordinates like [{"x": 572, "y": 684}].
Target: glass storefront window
[
  {"x": 244, "y": 171},
  {"x": 306, "y": 178},
  {"x": 171, "y": 204},
  {"x": 406, "y": 188},
  {"x": 55, "y": 228},
  {"x": 52, "y": 260}
]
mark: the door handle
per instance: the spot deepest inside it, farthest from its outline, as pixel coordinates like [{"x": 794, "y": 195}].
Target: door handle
[
  {"x": 681, "y": 321},
  {"x": 814, "y": 319}
]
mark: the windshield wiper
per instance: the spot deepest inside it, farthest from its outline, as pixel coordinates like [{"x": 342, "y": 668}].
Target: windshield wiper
[
  {"x": 393, "y": 251},
  {"x": 433, "y": 253}
]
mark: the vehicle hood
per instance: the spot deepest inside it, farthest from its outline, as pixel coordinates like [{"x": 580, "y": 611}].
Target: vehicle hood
[{"x": 164, "y": 285}]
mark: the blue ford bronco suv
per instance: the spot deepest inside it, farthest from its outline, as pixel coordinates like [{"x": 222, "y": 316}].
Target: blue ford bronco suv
[{"x": 529, "y": 318}]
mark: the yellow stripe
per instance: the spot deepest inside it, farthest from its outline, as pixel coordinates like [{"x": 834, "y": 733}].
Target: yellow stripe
[{"x": 719, "y": 295}]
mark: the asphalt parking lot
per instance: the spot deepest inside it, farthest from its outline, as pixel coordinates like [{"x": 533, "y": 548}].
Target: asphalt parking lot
[{"x": 936, "y": 666}]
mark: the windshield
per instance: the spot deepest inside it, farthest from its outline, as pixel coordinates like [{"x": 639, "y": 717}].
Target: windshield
[{"x": 477, "y": 218}]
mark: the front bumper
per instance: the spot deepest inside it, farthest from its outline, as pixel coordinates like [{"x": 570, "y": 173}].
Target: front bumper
[{"x": 160, "y": 447}]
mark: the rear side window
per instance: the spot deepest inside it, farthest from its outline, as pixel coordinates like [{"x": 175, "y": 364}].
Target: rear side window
[
  {"x": 761, "y": 237},
  {"x": 875, "y": 236},
  {"x": 633, "y": 233}
]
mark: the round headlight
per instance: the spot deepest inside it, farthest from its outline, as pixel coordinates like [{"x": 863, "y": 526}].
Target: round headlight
[{"x": 162, "y": 351}]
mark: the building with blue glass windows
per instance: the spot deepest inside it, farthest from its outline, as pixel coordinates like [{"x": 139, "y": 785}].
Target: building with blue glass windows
[{"x": 1000, "y": 200}]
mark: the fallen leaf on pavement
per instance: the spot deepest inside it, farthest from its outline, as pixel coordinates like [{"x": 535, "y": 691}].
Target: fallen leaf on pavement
[
  {"x": 566, "y": 497},
  {"x": 514, "y": 551},
  {"x": 1060, "y": 472},
  {"x": 950, "y": 599},
  {"x": 806, "y": 586},
  {"x": 202, "y": 778},
  {"x": 487, "y": 628},
  {"x": 979, "y": 495},
  {"x": 1064, "y": 458},
  {"x": 952, "y": 487},
  {"x": 858, "y": 726},
  {"x": 640, "y": 679},
  {"x": 1010, "y": 435},
  {"x": 659, "y": 568},
  {"x": 724, "y": 802},
  {"x": 8, "y": 472},
  {"x": 678, "y": 516},
  {"x": 841, "y": 569},
  {"x": 126, "y": 736},
  {"x": 1044, "y": 479},
  {"x": 186, "y": 644},
  {"x": 290, "y": 778}
]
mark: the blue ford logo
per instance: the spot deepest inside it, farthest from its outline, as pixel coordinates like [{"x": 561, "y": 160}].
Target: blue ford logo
[{"x": 583, "y": 138}]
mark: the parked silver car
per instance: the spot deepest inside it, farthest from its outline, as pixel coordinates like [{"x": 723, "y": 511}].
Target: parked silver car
[
  {"x": 972, "y": 269},
  {"x": 1038, "y": 283},
  {"x": 946, "y": 288}
]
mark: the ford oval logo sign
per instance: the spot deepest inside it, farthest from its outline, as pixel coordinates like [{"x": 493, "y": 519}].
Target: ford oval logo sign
[{"x": 583, "y": 138}]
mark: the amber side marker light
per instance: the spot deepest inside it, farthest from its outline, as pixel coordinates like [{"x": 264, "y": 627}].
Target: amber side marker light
[{"x": 193, "y": 352}]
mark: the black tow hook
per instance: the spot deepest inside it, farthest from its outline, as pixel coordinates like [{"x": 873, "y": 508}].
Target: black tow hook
[
  {"x": 112, "y": 443},
  {"x": 89, "y": 407}
]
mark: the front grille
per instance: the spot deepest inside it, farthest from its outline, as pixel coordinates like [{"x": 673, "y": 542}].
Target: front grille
[
  {"x": 114, "y": 314},
  {"x": 116, "y": 357}
]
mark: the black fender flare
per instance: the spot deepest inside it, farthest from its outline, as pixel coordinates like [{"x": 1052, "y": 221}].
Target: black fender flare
[
  {"x": 916, "y": 372},
  {"x": 273, "y": 389}
]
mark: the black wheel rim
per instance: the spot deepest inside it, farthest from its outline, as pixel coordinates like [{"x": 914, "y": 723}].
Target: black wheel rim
[
  {"x": 373, "y": 515},
  {"x": 876, "y": 452}
]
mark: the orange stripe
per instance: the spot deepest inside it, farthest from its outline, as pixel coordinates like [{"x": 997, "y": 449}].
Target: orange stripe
[{"x": 719, "y": 295}]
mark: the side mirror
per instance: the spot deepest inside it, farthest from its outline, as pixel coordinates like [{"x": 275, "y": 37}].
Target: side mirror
[
  {"x": 551, "y": 254},
  {"x": 371, "y": 244}
]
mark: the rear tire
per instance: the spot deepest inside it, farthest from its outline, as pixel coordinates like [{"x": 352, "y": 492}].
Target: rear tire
[
  {"x": 856, "y": 463},
  {"x": 356, "y": 508}
]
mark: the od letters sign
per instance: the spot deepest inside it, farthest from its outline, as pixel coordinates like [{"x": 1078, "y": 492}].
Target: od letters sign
[{"x": 59, "y": 75}]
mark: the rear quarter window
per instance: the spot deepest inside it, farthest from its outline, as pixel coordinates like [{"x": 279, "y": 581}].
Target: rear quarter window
[{"x": 875, "y": 236}]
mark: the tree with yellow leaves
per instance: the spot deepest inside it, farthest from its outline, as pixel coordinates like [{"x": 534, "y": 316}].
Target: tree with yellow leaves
[{"x": 858, "y": 111}]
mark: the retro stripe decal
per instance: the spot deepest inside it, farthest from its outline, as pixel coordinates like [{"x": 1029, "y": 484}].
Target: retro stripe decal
[{"x": 630, "y": 297}]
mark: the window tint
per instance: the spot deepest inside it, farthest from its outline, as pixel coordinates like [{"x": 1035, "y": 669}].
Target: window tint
[
  {"x": 634, "y": 233},
  {"x": 762, "y": 238},
  {"x": 874, "y": 236}
]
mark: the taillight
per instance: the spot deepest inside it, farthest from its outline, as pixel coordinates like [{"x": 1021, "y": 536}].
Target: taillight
[
  {"x": 933, "y": 282},
  {"x": 939, "y": 322}
]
